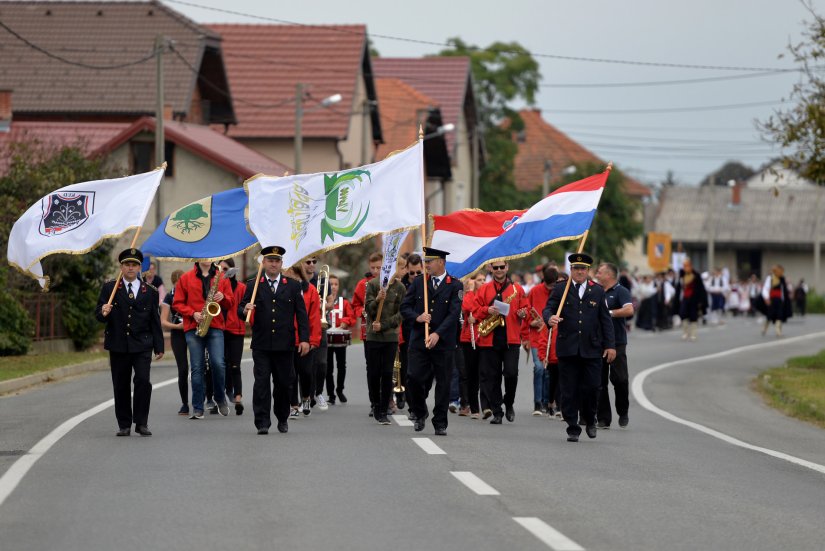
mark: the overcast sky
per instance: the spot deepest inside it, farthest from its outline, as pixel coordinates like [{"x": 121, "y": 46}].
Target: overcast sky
[{"x": 744, "y": 34}]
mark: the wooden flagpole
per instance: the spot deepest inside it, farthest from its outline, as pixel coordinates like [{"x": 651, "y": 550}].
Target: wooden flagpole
[
  {"x": 424, "y": 236},
  {"x": 255, "y": 289},
  {"x": 120, "y": 274}
]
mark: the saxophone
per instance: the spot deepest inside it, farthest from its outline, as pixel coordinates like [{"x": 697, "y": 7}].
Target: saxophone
[
  {"x": 487, "y": 325},
  {"x": 210, "y": 307}
]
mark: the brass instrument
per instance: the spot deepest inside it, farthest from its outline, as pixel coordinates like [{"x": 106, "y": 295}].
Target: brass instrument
[
  {"x": 396, "y": 373},
  {"x": 324, "y": 270},
  {"x": 487, "y": 325},
  {"x": 210, "y": 307},
  {"x": 537, "y": 316}
]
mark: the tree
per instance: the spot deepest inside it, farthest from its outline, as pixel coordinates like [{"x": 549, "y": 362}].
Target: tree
[
  {"x": 502, "y": 72},
  {"x": 35, "y": 169},
  {"x": 800, "y": 130},
  {"x": 732, "y": 170}
]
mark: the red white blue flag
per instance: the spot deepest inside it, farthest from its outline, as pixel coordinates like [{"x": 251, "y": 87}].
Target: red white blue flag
[{"x": 474, "y": 238}]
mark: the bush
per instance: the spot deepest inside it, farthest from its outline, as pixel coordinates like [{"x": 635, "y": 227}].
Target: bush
[
  {"x": 815, "y": 303},
  {"x": 17, "y": 329}
]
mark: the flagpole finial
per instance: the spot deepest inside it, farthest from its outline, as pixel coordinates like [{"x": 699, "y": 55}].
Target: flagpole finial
[
  {"x": 286, "y": 173},
  {"x": 420, "y": 132},
  {"x": 610, "y": 166},
  {"x": 163, "y": 166}
]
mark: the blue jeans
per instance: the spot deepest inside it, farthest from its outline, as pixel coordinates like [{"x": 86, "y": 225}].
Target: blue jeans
[
  {"x": 541, "y": 380},
  {"x": 213, "y": 341}
]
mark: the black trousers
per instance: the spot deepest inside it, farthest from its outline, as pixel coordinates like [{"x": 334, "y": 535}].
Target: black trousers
[
  {"x": 336, "y": 354},
  {"x": 303, "y": 377},
  {"x": 319, "y": 366},
  {"x": 471, "y": 368},
  {"x": 616, "y": 373},
  {"x": 273, "y": 374},
  {"x": 379, "y": 374},
  {"x": 233, "y": 352},
  {"x": 403, "y": 350},
  {"x": 181, "y": 352},
  {"x": 495, "y": 363},
  {"x": 122, "y": 364},
  {"x": 579, "y": 382},
  {"x": 426, "y": 366},
  {"x": 458, "y": 358}
]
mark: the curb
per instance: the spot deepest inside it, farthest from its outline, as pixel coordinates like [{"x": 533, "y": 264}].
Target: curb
[{"x": 51, "y": 375}]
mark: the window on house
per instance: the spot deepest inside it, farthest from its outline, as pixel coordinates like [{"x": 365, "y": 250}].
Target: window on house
[{"x": 143, "y": 157}]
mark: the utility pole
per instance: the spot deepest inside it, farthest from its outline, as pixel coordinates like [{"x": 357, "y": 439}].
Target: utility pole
[
  {"x": 299, "y": 115},
  {"x": 160, "y": 140},
  {"x": 545, "y": 185},
  {"x": 475, "y": 196},
  {"x": 364, "y": 118}
]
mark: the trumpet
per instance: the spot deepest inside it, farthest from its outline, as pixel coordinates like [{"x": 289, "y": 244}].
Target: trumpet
[
  {"x": 324, "y": 273},
  {"x": 396, "y": 373}
]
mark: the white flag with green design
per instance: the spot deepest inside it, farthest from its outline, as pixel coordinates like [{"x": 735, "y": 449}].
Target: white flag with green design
[{"x": 312, "y": 213}]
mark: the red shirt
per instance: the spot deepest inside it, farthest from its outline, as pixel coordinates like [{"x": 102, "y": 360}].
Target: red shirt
[
  {"x": 358, "y": 298},
  {"x": 233, "y": 323},
  {"x": 542, "y": 347},
  {"x": 189, "y": 299},
  {"x": 313, "y": 305},
  {"x": 516, "y": 330},
  {"x": 467, "y": 306},
  {"x": 347, "y": 317},
  {"x": 537, "y": 299}
]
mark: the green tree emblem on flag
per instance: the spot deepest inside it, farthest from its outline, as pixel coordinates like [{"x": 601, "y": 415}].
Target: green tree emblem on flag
[
  {"x": 344, "y": 214},
  {"x": 192, "y": 222}
]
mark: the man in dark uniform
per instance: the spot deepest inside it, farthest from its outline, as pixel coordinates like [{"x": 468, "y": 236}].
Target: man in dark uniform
[
  {"x": 431, "y": 357},
  {"x": 279, "y": 311},
  {"x": 585, "y": 336},
  {"x": 132, "y": 332}
]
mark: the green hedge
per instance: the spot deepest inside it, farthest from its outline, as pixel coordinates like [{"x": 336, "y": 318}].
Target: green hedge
[{"x": 17, "y": 329}]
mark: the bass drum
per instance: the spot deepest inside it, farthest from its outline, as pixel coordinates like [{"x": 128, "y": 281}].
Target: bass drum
[{"x": 337, "y": 338}]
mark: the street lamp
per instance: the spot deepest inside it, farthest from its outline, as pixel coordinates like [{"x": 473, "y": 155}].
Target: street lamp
[
  {"x": 299, "y": 115},
  {"x": 441, "y": 130}
]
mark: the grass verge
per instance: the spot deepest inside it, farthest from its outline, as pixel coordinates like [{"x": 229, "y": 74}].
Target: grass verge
[
  {"x": 12, "y": 367},
  {"x": 797, "y": 389}
]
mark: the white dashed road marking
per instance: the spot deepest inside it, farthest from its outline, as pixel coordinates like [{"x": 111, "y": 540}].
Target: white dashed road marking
[
  {"x": 429, "y": 446},
  {"x": 402, "y": 420},
  {"x": 548, "y": 535},
  {"x": 475, "y": 483}
]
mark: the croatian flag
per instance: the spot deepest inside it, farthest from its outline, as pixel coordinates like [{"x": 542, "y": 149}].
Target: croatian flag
[{"x": 475, "y": 238}]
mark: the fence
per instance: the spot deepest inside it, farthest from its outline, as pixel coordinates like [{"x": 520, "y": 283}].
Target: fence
[{"x": 46, "y": 309}]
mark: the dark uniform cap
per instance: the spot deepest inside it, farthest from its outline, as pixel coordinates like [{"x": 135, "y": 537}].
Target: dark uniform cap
[
  {"x": 580, "y": 259},
  {"x": 131, "y": 255},
  {"x": 274, "y": 250},
  {"x": 432, "y": 254}
]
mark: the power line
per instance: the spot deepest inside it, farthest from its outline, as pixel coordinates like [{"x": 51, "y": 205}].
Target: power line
[
  {"x": 659, "y": 128},
  {"x": 659, "y": 139},
  {"x": 76, "y": 63},
  {"x": 667, "y": 82},
  {"x": 661, "y": 110},
  {"x": 534, "y": 54}
]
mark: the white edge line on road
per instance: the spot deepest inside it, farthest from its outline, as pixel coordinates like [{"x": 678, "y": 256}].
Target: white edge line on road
[
  {"x": 429, "y": 446},
  {"x": 548, "y": 535},
  {"x": 402, "y": 420},
  {"x": 639, "y": 394},
  {"x": 475, "y": 483},
  {"x": 12, "y": 477}
]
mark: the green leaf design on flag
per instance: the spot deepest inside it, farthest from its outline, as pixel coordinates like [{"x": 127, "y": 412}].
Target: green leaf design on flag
[{"x": 341, "y": 216}]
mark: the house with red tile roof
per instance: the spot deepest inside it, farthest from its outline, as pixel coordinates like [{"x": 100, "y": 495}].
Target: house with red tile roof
[
  {"x": 448, "y": 82},
  {"x": 96, "y": 62},
  {"x": 266, "y": 63}
]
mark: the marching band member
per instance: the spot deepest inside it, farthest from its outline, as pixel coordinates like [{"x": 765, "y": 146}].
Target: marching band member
[
  {"x": 133, "y": 331},
  {"x": 341, "y": 316},
  {"x": 359, "y": 295},
  {"x": 192, "y": 290},
  {"x": 431, "y": 357},
  {"x": 280, "y": 315},
  {"x": 777, "y": 299},
  {"x": 500, "y": 347},
  {"x": 469, "y": 345},
  {"x": 303, "y": 363},
  {"x": 414, "y": 267},
  {"x": 382, "y": 342},
  {"x": 170, "y": 319},
  {"x": 233, "y": 335},
  {"x": 537, "y": 300}
]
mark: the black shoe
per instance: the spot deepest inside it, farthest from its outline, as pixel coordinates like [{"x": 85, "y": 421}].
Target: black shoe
[
  {"x": 283, "y": 427},
  {"x": 411, "y": 416},
  {"x": 372, "y": 411},
  {"x": 383, "y": 420},
  {"x": 238, "y": 408},
  {"x": 623, "y": 420},
  {"x": 123, "y": 432},
  {"x": 496, "y": 420},
  {"x": 510, "y": 414},
  {"x": 400, "y": 402},
  {"x": 264, "y": 430},
  {"x": 213, "y": 410},
  {"x": 341, "y": 396},
  {"x": 143, "y": 430},
  {"x": 331, "y": 400},
  {"x": 572, "y": 437},
  {"x": 440, "y": 431},
  {"x": 591, "y": 431},
  {"x": 419, "y": 425},
  {"x": 603, "y": 426}
]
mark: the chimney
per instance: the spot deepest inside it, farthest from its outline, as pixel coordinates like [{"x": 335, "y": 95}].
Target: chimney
[
  {"x": 735, "y": 193},
  {"x": 168, "y": 114},
  {"x": 5, "y": 110}
]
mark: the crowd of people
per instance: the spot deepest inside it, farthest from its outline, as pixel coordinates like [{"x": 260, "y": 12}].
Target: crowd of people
[{"x": 422, "y": 330}]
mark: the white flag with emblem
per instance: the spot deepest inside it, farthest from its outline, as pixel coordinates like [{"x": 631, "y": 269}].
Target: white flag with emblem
[
  {"x": 312, "y": 213},
  {"x": 77, "y": 218},
  {"x": 392, "y": 244}
]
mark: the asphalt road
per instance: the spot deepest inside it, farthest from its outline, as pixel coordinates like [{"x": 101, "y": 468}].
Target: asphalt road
[{"x": 339, "y": 480}]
